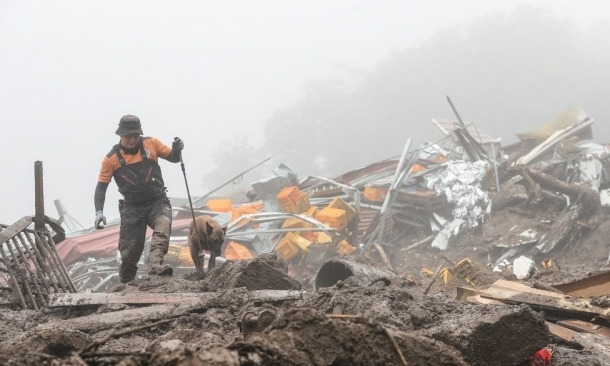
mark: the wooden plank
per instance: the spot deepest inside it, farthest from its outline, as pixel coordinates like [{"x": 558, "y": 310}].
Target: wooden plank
[
  {"x": 562, "y": 332},
  {"x": 592, "y": 286},
  {"x": 145, "y": 298},
  {"x": 516, "y": 293},
  {"x": 474, "y": 296},
  {"x": 519, "y": 287},
  {"x": 110, "y": 319},
  {"x": 14, "y": 229},
  {"x": 583, "y": 326},
  {"x": 478, "y": 299},
  {"x": 132, "y": 298},
  {"x": 165, "y": 311}
]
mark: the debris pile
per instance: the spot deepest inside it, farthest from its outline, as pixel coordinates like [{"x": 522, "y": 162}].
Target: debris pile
[{"x": 459, "y": 252}]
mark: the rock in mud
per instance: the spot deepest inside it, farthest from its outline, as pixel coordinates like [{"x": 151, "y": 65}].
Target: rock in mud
[{"x": 493, "y": 335}]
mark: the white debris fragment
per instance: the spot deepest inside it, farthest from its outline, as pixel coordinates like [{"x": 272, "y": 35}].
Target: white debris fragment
[
  {"x": 499, "y": 268},
  {"x": 524, "y": 268},
  {"x": 441, "y": 241}
]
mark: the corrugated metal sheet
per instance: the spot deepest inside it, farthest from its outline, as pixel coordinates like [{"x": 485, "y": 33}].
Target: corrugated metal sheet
[{"x": 566, "y": 119}]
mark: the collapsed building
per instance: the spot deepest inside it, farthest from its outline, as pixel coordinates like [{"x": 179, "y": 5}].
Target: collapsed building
[{"x": 353, "y": 254}]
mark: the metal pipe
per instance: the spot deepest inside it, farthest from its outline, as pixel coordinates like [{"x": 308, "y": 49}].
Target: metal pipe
[
  {"x": 339, "y": 269},
  {"x": 230, "y": 180}
]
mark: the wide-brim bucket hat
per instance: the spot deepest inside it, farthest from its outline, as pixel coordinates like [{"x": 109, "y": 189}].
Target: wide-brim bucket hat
[{"x": 129, "y": 124}]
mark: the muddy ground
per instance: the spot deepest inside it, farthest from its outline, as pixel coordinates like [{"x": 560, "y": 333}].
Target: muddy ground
[{"x": 406, "y": 319}]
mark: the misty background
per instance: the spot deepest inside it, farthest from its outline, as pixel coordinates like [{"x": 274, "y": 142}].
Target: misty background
[{"x": 320, "y": 86}]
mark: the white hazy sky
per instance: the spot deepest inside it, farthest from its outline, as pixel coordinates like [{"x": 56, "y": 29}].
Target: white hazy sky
[{"x": 206, "y": 71}]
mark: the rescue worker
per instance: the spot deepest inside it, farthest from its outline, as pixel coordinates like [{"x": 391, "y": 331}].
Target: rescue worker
[{"x": 133, "y": 163}]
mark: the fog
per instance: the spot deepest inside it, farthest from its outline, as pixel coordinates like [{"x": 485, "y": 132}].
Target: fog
[{"x": 206, "y": 71}]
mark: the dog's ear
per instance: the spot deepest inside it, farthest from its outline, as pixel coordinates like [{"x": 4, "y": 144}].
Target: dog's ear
[{"x": 209, "y": 228}]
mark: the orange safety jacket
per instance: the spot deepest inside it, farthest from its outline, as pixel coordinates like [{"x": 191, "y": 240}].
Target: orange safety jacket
[{"x": 137, "y": 175}]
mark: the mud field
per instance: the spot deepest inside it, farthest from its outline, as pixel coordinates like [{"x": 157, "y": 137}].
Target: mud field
[{"x": 407, "y": 318}]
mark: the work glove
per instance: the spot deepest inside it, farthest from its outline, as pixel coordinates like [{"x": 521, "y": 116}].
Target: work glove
[
  {"x": 100, "y": 220},
  {"x": 177, "y": 145}
]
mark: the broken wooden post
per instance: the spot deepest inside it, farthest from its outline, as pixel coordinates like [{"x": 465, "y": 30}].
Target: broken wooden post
[{"x": 39, "y": 223}]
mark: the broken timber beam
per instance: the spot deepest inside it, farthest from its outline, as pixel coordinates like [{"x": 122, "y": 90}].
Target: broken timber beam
[
  {"x": 204, "y": 300},
  {"x": 130, "y": 298},
  {"x": 146, "y": 298},
  {"x": 588, "y": 197},
  {"x": 516, "y": 293}
]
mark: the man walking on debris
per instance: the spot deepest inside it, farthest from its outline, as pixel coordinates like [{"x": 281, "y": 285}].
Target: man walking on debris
[{"x": 133, "y": 165}]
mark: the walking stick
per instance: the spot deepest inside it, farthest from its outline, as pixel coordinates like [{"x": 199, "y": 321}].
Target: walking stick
[
  {"x": 188, "y": 193},
  {"x": 186, "y": 183}
]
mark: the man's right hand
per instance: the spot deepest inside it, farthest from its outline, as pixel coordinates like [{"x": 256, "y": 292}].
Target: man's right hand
[{"x": 100, "y": 220}]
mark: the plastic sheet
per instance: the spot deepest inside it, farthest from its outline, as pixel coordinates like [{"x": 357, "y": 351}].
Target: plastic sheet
[{"x": 461, "y": 184}]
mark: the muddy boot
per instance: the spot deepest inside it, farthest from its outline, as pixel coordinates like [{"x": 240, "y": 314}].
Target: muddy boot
[
  {"x": 156, "y": 268},
  {"x": 118, "y": 287},
  {"x": 161, "y": 270}
]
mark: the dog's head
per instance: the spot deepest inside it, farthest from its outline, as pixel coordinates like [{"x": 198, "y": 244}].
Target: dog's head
[{"x": 216, "y": 236}]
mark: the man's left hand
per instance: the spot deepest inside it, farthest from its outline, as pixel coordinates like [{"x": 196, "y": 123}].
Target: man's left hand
[{"x": 177, "y": 145}]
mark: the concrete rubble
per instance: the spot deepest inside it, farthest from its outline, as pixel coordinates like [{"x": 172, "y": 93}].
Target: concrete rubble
[{"x": 457, "y": 252}]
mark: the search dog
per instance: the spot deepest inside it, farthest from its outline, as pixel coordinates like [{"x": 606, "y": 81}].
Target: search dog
[{"x": 205, "y": 233}]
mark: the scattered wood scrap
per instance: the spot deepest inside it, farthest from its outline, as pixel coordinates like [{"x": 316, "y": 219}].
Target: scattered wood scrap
[
  {"x": 516, "y": 293},
  {"x": 595, "y": 285},
  {"x": 582, "y": 326}
]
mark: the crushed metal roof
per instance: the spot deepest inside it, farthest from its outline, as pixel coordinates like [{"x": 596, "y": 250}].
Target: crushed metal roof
[{"x": 447, "y": 127}]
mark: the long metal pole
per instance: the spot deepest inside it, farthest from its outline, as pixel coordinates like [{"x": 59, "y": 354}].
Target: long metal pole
[
  {"x": 230, "y": 180},
  {"x": 186, "y": 183}
]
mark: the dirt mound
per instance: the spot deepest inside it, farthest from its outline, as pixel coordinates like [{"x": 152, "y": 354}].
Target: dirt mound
[
  {"x": 309, "y": 337},
  {"x": 267, "y": 272},
  {"x": 50, "y": 343}
]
